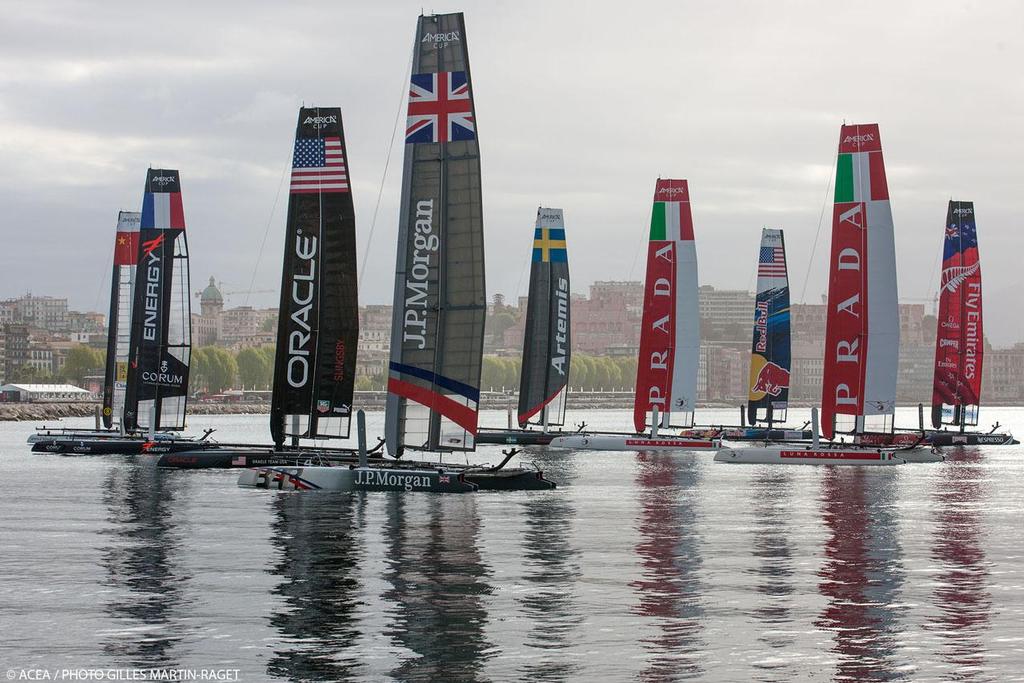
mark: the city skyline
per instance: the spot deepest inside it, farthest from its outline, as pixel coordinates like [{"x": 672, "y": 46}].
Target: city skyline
[{"x": 725, "y": 97}]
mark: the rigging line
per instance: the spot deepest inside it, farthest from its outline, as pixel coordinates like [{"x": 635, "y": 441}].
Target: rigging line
[
  {"x": 817, "y": 233},
  {"x": 640, "y": 244},
  {"x": 99, "y": 289},
  {"x": 266, "y": 231},
  {"x": 387, "y": 163},
  {"x": 935, "y": 281}
]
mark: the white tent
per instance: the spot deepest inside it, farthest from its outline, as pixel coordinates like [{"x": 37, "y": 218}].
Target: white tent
[{"x": 27, "y": 393}]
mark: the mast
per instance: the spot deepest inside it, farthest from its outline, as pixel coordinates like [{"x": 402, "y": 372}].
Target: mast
[
  {"x": 122, "y": 285},
  {"x": 862, "y": 334},
  {"x": 546, "y": 337},
  {"x": 439, "y": 303},
  {"x": 161, "y": 329},
  {"x": 959, "y": 338},
  {"x": 768, "y": 394},
  {"x": 318, "y": 324},
  {"x": 666, "y": 377}
]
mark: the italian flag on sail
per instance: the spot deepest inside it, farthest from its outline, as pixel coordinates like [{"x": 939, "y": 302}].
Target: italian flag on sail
[
  {"x": 862, "y": 330},
  {"x": 670, "y": 335}
]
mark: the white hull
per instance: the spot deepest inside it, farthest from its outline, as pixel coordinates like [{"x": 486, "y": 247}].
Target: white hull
[
  {"x": 632, "y": 442},
  {"x": 321, "y": 478},
  {"x": 918, "y": 455},
  {"x": 795, "y": 455}
]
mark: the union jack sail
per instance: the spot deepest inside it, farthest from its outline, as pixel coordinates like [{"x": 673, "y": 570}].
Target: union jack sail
[{"x": 440, "y": 108}]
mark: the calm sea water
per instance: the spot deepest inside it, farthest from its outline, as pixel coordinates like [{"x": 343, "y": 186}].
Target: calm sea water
[{"x": 640, "y": 566}]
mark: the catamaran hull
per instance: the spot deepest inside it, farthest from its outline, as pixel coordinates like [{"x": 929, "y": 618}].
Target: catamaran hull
[
  {"x": 228, "y": 458},
  {"x": 774, "y": 455},
  {"x": 515, "y": 437},
  {"x": 631, "y": 442},
  {"x": 509, "y": 480},
  {"x": 114, "y": 446},
  {"x": 318, "y": 478},
  {"x": 937, "y": 438}
]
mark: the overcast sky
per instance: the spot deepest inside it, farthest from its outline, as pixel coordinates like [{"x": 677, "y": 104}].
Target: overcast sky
[{"x": 579, "y": 106}]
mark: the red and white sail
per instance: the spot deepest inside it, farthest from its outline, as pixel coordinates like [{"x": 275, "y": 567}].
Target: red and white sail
[
  {"x": 670, "y": 336},
  {"x": 959, "y": 340},
  {"x": 863, "y": 328}
]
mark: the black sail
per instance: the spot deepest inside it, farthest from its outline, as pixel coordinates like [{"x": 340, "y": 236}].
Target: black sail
[
  {"x": 119, "y": 320},
  {"x": 439, "y": 303},
  {"x": 161, "y": 330},
  {"x": 318, "y": 323},
  {"x": 546, "y": 338}
]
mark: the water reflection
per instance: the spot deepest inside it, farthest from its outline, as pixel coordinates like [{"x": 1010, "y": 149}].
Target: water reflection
[
  {"x": 962, "y": 594},
  {"x": 771, "y": 500},
  {"x": 669, "y": 549},
  {"x": 552, "y": 568},
  {"x": 149, "y": 600},
  {"x": 438, "y": 583},
  {"x": 319, "y": 542},
  {"x": 862, "y": 574}
]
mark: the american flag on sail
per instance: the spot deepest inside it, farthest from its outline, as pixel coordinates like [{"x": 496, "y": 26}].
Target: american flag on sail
[
  {"x": 440, "y": 108},
  {"x": 318, "y": 165},
  {"x": 771, "y": 262}
]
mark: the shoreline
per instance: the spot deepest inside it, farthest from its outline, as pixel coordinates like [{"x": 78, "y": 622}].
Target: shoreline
[{"x": 372, "y": 400}]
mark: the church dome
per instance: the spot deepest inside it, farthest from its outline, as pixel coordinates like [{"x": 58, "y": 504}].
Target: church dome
[{"x": 211, "y": 295}]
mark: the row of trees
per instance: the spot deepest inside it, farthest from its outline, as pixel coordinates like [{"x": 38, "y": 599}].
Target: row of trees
[
  {"x": 215, "y": 369},
  {"x": 588, "y": 373}
]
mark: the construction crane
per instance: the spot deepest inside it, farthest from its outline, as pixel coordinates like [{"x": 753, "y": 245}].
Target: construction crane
[{"x": 199, "y": 293}]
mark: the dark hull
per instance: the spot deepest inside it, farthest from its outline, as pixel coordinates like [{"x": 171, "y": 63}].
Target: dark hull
[
  {"x": 116, "y": 446},
  {"x": 518, "y": 479},
  {"x": 939, "y": 439},
  {"x": 512, "y": 479},
  {"x": 515, "y": 437},
  {"x": 232, "y": 457}
]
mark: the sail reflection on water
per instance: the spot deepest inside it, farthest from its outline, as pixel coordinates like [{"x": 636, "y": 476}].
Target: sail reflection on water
[
  {"x": 771, "y": 500},
  {"x": 552, "y": 571},
  {"x": 669, "y": 590},
  {"x": 962, "y": 585},
  {"x": 862, "y": 575},
  {"x": 148, "y": 586},
  {"x": 320, "y": 548},
  {"x": 435, "y": 609}
]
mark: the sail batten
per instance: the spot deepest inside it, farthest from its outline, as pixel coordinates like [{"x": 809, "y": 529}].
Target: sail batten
[
  {"x": 439, "y": 298},
  {"x": 546, "y": 336},
  {"x": 959, "y": 347},
  {"x": 862, "y": 317},
  {"x": 160, "y": 347},
  {"x": 318, "y": 325},
  {"x": 670, "y": 333},
  {"x": 768, "y": 389}
]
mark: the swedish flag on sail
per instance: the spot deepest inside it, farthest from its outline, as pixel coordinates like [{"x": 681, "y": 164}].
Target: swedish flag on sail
[{"x": 549, "y": 245}]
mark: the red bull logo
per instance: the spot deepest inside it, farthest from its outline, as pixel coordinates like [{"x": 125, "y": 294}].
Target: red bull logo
[{"x": 771, "y": 380}]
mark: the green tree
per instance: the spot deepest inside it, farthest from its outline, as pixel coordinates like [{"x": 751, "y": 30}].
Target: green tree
[
  {"x": 81, "y": 361},
  {"x": 255, "y": 369},
  {"x": 213, "y": 369}
]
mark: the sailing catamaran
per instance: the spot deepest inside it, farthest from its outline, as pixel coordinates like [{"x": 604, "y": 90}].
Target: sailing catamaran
[
  {"x": 149, "y": 334},
  {"x": 862, "y": 324},
  {"x": 438, "y": 319},
  {"x": 547, "y": 343},
  {"x": 959, "y": 346},
  {"x": 768, "y": 388},
  {"x": 959, "y": 338},
  {"x": 666, "y": 383}
]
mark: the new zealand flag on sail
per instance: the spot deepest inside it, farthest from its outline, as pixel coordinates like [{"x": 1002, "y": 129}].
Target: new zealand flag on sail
[{"x": 440, "y": 108}]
